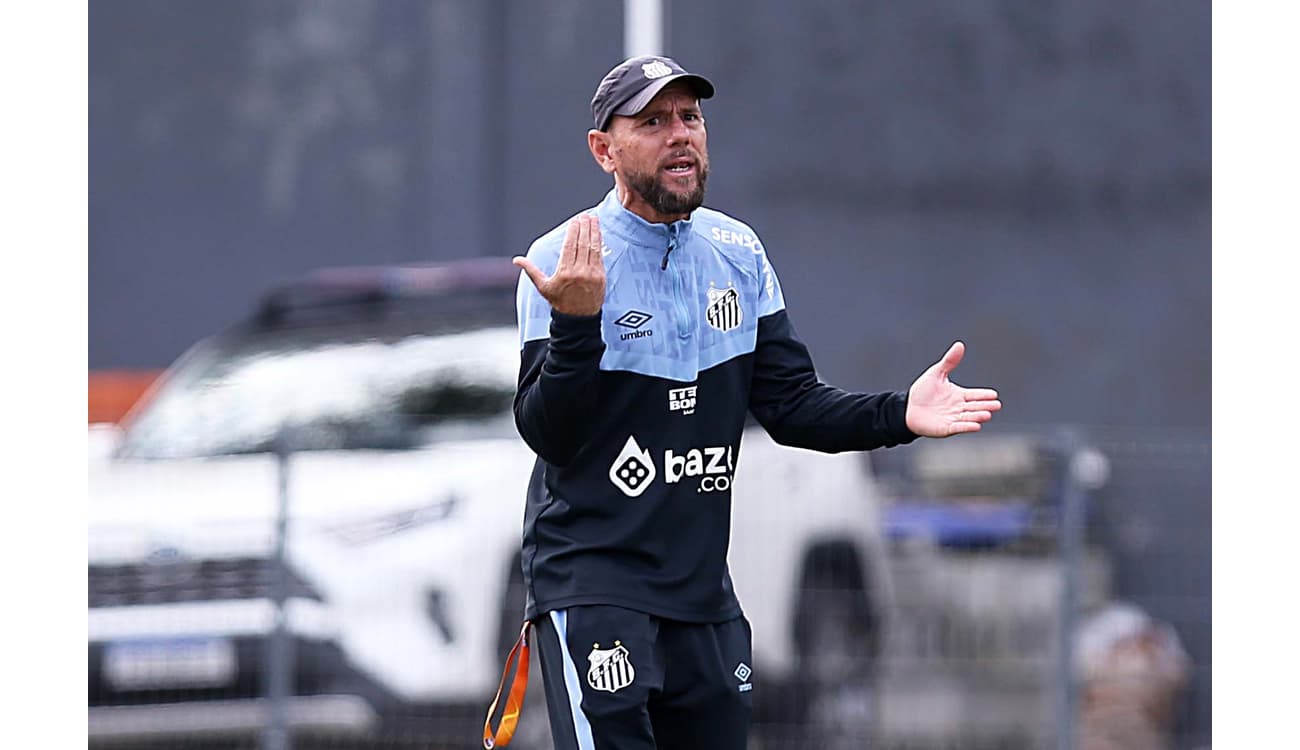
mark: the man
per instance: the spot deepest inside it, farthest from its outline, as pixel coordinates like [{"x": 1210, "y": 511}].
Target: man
[{"x": 642, "y": 298}]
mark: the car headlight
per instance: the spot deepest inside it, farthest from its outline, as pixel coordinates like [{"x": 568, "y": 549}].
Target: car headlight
[{"x": 373, "y": 528}]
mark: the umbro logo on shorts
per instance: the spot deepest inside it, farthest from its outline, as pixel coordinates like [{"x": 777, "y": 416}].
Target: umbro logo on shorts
[{"x": 742, "y": 673}]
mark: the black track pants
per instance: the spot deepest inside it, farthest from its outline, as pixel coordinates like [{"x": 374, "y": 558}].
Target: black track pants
[{"x": 617, "y": 679}]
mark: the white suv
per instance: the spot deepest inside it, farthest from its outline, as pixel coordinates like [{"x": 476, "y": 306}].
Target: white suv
[{"x": 405, "y": 493}]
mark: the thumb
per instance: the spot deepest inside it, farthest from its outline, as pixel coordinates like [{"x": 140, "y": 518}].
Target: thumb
[
  {"x": 952, "y": 358},
  {"x": 534, "y": 273}
]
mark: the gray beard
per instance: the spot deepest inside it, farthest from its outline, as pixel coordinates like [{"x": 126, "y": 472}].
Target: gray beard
[{"x": 666, "y": 201}]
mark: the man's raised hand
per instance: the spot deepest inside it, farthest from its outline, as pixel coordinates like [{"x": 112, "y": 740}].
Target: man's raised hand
[
  {"x": 937, "y": 407},
  {"x": 578, "y": 285}
]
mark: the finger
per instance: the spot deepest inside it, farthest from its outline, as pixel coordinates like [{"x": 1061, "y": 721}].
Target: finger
[
  {"x": 596, "y": 241},
  {"x": 983, "y": 407},
  {"x": 979, "y": 394},
  {"x": 534, "y": 273},
  {"x": 975, "y": 416},
  {"x": 952, "y": 357},
  {"x": 959, "y": 428},
  {"x": 569, "y": 249},
  {"x": 583, "y": 237}
]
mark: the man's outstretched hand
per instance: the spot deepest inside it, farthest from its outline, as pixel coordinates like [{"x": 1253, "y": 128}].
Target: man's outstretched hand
[
  {"x": 938, "y": 407},
  {"x": 578, "y": 285}
]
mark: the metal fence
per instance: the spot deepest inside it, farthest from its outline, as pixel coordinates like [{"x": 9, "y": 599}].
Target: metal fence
[
  {"x": 1036, "y": 590},
  {"x": 1067, "y": 607}
]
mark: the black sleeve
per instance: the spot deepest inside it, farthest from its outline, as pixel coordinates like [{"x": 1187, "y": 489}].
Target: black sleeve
[
  {"x": 555, "y": 404},
  {"x": 799, "y": 410}
]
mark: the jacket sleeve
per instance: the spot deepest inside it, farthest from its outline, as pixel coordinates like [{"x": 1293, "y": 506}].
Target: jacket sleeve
[
  {"x": 555, "y": 404},
  {"x": 797, "y": 409},
  {"x": 794, "y": 406}
]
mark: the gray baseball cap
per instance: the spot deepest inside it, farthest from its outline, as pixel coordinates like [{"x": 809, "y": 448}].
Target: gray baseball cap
[{"x": 631, "y": 85}]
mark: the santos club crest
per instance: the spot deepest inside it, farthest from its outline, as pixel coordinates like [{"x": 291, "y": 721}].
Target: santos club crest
[
  {"x": 723, "y": 312},
  {"x": 611, "y": 669}
]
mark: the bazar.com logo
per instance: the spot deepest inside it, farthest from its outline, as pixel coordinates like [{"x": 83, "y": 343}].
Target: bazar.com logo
[{"x": 634, "y": 469}]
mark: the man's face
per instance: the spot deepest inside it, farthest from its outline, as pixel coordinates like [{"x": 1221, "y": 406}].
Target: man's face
[{"x": 661, "y": 154}]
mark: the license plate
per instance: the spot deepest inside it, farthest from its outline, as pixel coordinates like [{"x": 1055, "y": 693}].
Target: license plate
[{"x": 170, "y": 663}]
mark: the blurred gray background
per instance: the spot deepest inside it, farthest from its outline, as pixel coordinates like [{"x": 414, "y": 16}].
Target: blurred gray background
[{"x": 1031, "y": 176}]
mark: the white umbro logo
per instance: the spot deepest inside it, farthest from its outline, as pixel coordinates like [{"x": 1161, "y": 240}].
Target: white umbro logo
[
  {"x": 656, "y": 69},
  {"x": 742, "y": 673}
]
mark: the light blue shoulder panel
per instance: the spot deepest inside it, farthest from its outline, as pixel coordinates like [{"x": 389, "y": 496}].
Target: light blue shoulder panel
[{"x": 700, "y": 311}]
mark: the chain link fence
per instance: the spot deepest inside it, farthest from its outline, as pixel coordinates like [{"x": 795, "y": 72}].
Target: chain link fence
[
  {"x": 1062, "y": 606},
  {"x": 1040, "y": 590}
]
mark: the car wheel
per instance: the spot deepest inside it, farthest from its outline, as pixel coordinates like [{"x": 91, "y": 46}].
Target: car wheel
[{"x": 836, "y": 638}]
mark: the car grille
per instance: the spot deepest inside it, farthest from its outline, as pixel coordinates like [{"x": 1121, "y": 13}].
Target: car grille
[{"x": 188, "y": 581}]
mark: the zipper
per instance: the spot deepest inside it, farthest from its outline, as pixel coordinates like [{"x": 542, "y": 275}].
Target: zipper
[{"x": 684, "y": 322}]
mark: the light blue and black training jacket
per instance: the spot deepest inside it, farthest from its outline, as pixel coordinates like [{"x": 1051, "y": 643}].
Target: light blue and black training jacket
[{"x": 636, "y": 414}]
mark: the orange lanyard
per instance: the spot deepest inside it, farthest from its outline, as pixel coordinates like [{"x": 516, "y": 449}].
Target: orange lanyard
[{"x": 515, "y": 700}]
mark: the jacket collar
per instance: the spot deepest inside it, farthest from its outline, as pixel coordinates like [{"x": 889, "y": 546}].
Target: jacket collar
[{"x": 633, "y": 229}]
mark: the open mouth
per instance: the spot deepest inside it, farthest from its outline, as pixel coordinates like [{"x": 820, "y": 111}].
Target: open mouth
[
  {"x": 680, "y": 170},
  {"x": 680, "y": 166}
]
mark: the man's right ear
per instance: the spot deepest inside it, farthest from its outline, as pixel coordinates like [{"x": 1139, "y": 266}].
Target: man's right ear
[{"x": 600, "y": 144}]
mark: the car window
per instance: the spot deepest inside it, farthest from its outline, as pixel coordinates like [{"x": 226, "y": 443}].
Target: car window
[{"x": 360, "y": 387}]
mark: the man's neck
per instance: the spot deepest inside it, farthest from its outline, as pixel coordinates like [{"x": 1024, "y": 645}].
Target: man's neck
[{"x": 632, "y": 201}]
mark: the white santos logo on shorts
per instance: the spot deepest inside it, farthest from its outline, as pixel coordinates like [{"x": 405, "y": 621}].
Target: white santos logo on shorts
[
  {"x": 611, "y": 669},
  {"x": 633, "y": 470},
  {"x": 655, "y": 69},
  {"x": 723, "y": 312}
]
